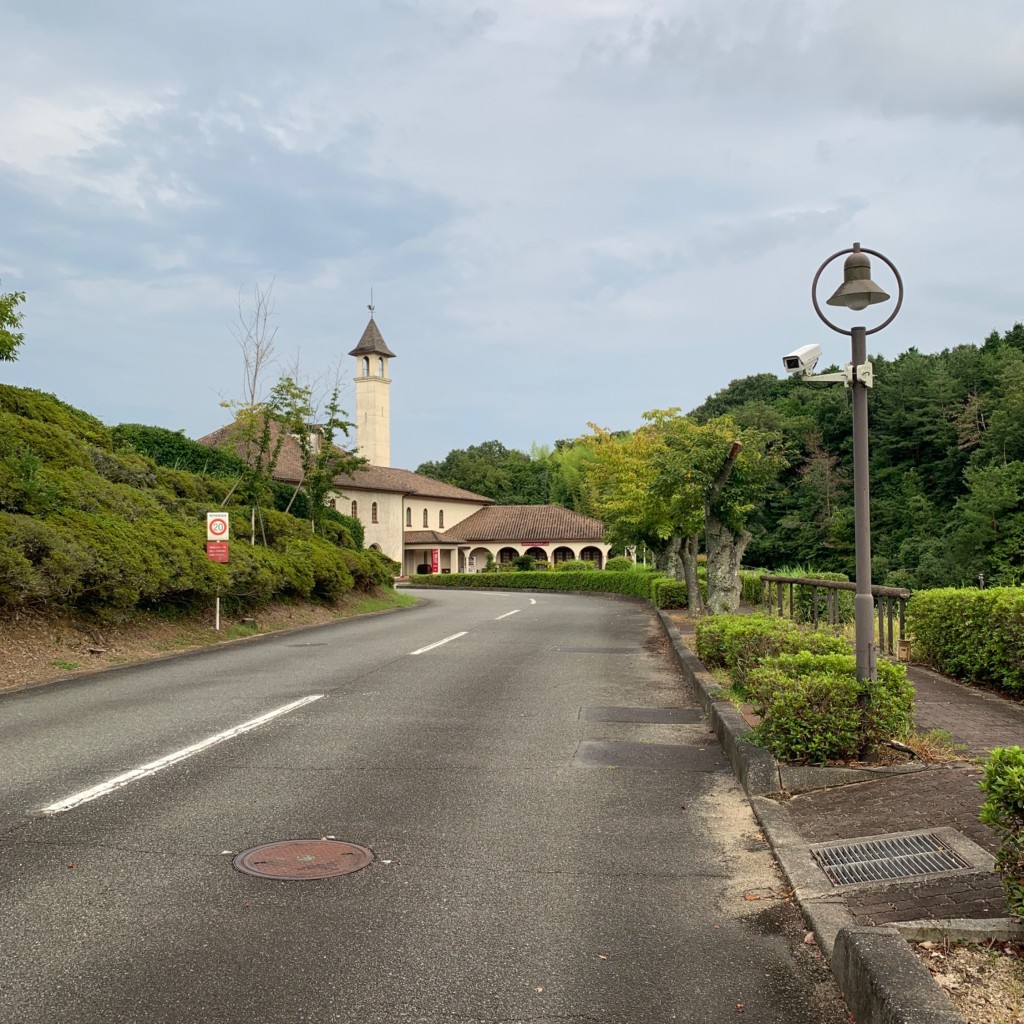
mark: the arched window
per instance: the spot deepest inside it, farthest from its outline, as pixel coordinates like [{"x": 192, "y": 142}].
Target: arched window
[
  {"x": 366, "y": 366},
  {"x": 355, "y": 510},
  {"x": 591, "y": 555},
  {"x": 373, "y": 512},
  {"x": 426, "y": 518},
  {"x": 506, "y": 555},
  {"x": 440, "y": 520},
  {"x": 333, "y": 503},
  {"x": 408, "y": 517},
  {"x": 380, "y": 367},
  {"x": 563, "y": 555}
]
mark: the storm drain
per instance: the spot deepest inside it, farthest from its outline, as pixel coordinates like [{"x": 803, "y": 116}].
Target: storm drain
[
  {"x": 887, "y": 859},
  {"x": 303, "y": 858}
]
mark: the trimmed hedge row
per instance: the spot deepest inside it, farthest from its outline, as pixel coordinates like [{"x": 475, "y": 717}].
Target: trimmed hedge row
[
  {"x": 977, "y": 635},
  {"x": 635, "y": 584},
  {"x": 1003, "y": 810}
]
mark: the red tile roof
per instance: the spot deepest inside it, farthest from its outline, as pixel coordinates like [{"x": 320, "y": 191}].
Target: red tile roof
[{"x": 522, "y": 523}]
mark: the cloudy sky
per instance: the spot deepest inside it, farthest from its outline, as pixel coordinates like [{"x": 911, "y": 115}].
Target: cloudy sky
[{"x": 568, "y": 210}]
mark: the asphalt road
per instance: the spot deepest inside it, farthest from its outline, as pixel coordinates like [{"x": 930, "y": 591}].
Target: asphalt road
[{"x": 556, "y": 835}]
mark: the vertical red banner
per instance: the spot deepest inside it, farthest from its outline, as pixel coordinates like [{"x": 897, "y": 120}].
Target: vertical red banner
[{"x": 435, "y": 560}]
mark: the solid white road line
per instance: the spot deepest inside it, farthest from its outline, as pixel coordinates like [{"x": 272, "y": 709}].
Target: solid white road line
[
  {"x": 179, "y": 755},
  {"x": 507, "y": 614},
  {"x": 447, "y": 639}
]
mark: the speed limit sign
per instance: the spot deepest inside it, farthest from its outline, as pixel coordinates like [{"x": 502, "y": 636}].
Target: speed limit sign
[{"x": 216, "y": 526}]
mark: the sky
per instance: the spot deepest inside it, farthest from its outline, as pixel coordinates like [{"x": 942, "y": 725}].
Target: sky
[{"x": 567, "y": 210}]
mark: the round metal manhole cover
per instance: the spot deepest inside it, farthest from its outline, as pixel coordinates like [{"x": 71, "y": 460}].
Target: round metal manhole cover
[{"x": 303, "y": 858}]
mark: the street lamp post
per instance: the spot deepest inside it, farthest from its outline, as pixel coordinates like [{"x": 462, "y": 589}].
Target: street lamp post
[{"x": 858, "y": 292}]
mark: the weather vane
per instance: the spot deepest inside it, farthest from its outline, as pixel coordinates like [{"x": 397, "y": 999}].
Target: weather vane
[{"x": 370, "y": 307}]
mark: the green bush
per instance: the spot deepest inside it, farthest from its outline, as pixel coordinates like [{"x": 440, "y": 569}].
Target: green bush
[
  {"x": 171, "y": 448},
  {"x": 574, "y": 565},
  {"x": 740, "y": 642},
  {"x": 750, "y": 586},
  {"x": 977, "y": 635},
  {"x": 1003, "y": 810},
  {"x": 28, "y": 404},
  {"x": 636, "y": 584},
  {"x": 619, "y": 564},
  {"x": 523, "y": 563},
  {"x": 810, "y": 707},
  {"x": 668, "y": 593}
]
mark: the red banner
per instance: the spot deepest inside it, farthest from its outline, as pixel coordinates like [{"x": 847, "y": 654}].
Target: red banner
[{"x": 435, "y": 560}]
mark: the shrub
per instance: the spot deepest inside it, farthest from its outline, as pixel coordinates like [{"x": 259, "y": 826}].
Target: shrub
[
  {"x": 668, "y": 593},
  {"x": 619, "y": 564},
  {"x": 750, "y": 585},
  {"x": 1003, "y": 810},
  {"x": 40, "y": 407},
  {"x": 636, "y": 584},
  {"x": 976, "y": 635},
  {"x": 810, "y": 707},
  {"x": 523, "y": 563},
  {"x": 739, "y": 642},
  {"x": 574, "y": 565},
  {"x": 171, "y": 448}
]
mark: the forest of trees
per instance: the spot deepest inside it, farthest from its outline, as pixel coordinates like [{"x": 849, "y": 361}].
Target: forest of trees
[{"x": 947, "y": 467}]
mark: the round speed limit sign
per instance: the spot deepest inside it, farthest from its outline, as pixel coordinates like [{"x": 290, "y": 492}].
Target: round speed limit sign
[{"x": 216, "y": 525}]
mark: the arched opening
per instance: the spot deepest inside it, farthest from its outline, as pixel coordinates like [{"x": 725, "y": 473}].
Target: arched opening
[
  {"x": 375, "y": 547},
  {"x": 478, "y": 559},
  {"x": 366, "y": 366},
  {"x": 380, "y": 367},
  {"x": 333, "y": 503},
  {"x": 408, "y": 517},
  {"x": 440, "y": 519},
  {"x": 562, "y": 555},
  {"x": 507, "y": 555},
  {"x": 373, "y": 512},
  {"x": 537, "y": 554},
  {"x": 355, "y": 510},
  {"x": 592, "y": 555},
  {"x": 426, "y": 519}
]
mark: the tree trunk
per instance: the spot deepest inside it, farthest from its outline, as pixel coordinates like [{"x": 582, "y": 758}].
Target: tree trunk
[
  {"x": 694, "y": 600},
  {"x": 673, "y": 560},
  {"x": 725, "y": 554}
]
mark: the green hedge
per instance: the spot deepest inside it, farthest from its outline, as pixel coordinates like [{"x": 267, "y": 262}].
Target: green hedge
[
  {"x": 811, "y": 711},
  {"x": 1003, "y": 810},
  {"x": 976, "y": 635},
  {"x": 636, "y": 584},
  {"x": 739, "y": 642}
]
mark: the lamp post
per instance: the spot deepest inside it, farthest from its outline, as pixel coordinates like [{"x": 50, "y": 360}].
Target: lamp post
[{"x": 858, "y": 292}]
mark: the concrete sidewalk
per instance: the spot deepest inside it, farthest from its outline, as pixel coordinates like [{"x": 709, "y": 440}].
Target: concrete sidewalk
[{"x": 800, "y": 808}]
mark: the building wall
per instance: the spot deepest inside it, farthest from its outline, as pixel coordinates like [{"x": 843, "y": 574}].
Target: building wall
[{"x": 373, "y": 411}]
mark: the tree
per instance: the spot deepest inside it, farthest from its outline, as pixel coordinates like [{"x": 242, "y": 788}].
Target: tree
[
  {"x": 508, "y": 476},
  {"x": 10, "y": 320}
]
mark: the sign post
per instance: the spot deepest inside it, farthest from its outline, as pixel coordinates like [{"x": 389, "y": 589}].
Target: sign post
[{"x": 217, "y": 548}]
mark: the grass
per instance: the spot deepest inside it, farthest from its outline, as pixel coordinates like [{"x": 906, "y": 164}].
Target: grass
[
  {"x": 935, "y": 746},
  {"x": 67, "y": 666}
]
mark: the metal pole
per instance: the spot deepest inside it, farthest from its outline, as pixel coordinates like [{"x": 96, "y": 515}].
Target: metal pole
[{"x": 863, "y": 607}]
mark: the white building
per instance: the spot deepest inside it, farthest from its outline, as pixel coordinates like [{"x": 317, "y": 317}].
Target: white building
[{"x": 421, "y": 522}]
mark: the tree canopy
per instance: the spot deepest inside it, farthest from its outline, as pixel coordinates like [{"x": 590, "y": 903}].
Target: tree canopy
[{"x": 10, "y": 320}]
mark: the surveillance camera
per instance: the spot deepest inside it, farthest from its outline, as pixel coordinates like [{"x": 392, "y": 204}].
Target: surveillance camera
[{"x": 803, "y": 360}]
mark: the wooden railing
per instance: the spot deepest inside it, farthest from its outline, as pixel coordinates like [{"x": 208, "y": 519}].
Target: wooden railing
[{"x": 891, "y": 603}]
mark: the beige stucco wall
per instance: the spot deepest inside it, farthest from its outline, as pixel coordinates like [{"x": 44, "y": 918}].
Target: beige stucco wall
[{"x": 373, "y": 412}]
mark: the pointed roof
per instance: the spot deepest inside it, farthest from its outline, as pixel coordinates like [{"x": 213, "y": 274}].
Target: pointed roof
[{"x": 371, "y": 343}]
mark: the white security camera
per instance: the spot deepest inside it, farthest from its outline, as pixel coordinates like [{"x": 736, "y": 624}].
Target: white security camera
[{"x": 803, "y": 360}]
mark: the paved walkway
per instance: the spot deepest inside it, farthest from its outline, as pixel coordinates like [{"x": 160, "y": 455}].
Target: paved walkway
[{"x": 940, "y": 796}]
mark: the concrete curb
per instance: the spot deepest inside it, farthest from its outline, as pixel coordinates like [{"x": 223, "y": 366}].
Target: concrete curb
[{"x": 880, "y": 977}]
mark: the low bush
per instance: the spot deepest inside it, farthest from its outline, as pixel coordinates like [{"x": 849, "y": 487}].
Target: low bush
[
  {"x": 1003, "y": 810},
  {"x": 750, "y": 585},
  {"x": 619, "y": 564},
  {"x": 740, "y": 642},
  {"x": 811, "y": 706},
  {"x": 574, "y": 565},
  {"x": 668, "y": 593},
  {"x": 977, "y": 635}
]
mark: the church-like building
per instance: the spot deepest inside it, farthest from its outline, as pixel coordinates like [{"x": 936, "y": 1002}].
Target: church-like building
[{"x": 423, "y": 524}]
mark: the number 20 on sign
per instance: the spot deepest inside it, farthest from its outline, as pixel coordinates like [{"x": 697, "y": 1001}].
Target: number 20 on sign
[{"x": 216, "y": 526}]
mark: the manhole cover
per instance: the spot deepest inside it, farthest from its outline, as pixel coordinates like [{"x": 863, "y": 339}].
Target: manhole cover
[
  {"x": 303, "y": 858},
  {"x": 906, "y": 856}
]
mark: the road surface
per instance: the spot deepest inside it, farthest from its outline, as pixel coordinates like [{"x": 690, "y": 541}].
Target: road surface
[{"x": 555, "y": 834}]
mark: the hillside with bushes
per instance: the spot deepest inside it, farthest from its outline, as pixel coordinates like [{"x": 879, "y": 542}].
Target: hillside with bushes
[{"x": 106, "y": 521}]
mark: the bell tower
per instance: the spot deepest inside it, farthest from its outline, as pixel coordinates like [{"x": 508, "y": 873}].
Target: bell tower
[{"x": 373, "y": 395}]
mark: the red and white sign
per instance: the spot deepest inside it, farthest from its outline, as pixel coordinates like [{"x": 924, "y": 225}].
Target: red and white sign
[
  {"x": 435, "y": 559},
  {"x": 216, "y": 526},
  {"x": 217, "y": 550}
]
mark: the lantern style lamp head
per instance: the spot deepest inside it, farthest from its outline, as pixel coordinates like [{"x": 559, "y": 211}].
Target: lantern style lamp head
[{"x": 857, "y": 291}]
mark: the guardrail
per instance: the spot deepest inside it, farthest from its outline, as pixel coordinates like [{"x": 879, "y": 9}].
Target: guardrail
[{"x": 890, "y": 601}]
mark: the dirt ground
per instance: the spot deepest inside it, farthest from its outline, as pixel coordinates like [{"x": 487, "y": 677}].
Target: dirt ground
[
  {"x": 37, "y": 649},
  {"x": 985, "y": 983}
]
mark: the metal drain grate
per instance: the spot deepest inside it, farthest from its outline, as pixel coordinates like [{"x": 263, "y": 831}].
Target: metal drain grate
[{"x": 884, "y": 859}]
